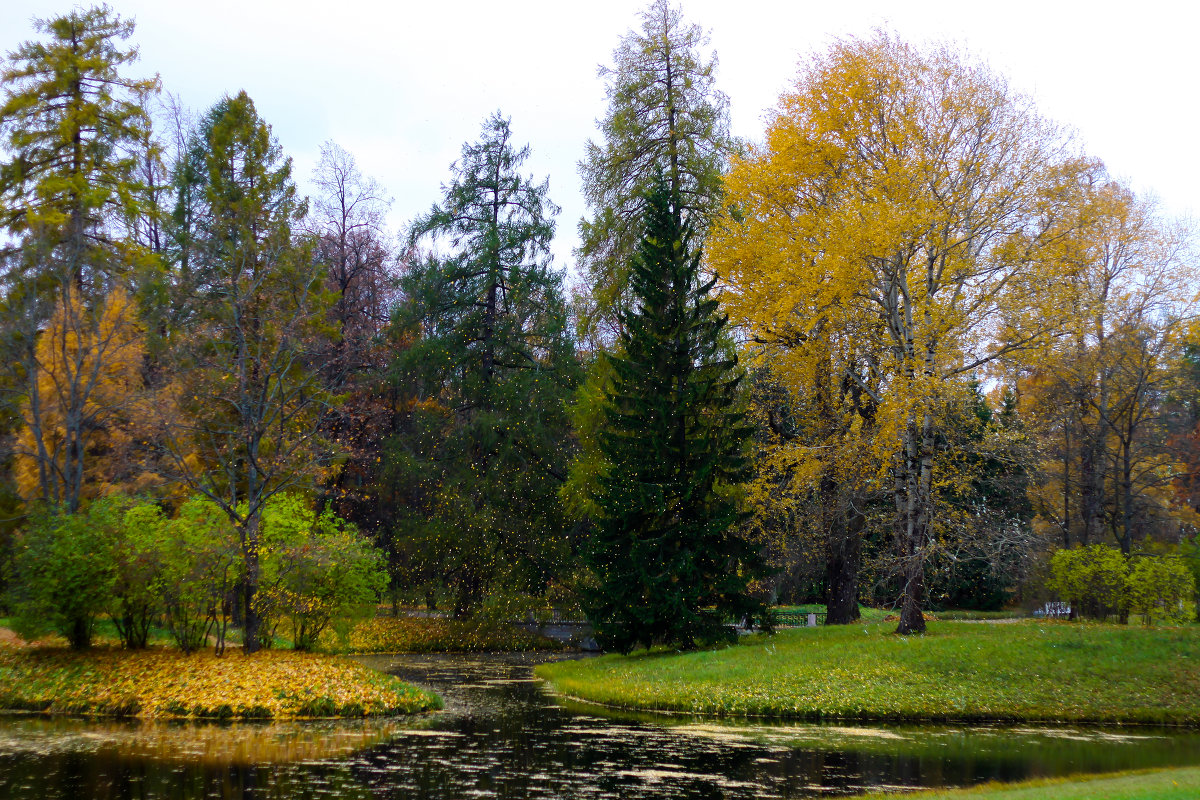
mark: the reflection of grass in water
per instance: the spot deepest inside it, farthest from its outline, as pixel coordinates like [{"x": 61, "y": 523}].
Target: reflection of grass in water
[
  {"x": 1050, "y": 750},
  {"x": 207, "y": 744}
]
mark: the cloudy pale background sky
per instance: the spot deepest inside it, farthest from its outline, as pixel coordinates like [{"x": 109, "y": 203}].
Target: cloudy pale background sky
[{"x": 402, "y": 84}]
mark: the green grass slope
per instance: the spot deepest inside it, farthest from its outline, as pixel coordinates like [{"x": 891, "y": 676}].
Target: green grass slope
[{"x": 1045, "y": 671}]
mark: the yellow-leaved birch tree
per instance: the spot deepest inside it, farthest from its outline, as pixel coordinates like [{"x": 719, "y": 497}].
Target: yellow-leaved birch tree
[{"x": 903, "y": 206}]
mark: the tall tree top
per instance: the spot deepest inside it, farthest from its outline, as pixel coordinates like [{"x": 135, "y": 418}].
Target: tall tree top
[
  {"x": 665, "y": 117},
  {"x": 497, "y": 217},
  {"x": 664, "y": 113},
  {"x": 70, "y": 120}
]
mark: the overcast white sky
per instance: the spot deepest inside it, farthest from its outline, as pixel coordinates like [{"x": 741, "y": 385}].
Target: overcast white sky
[{"x": 402, "y": 85}]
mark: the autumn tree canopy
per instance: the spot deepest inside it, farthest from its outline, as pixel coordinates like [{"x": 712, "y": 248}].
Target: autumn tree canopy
[
  {"x": 910, "y": 194},
  {"x": 1100, "y": 392}
]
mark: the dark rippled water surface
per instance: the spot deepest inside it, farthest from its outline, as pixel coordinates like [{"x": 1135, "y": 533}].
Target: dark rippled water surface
[{"x": 504, "y": 736}]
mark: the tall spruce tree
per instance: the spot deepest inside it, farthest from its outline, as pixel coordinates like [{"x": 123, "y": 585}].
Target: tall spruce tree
[
  {"x": 480, "y": 453},
  {"x": 668, "y": 563}
]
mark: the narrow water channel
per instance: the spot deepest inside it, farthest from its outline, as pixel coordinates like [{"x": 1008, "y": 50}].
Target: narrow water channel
[{"x": 503, "y": 735}]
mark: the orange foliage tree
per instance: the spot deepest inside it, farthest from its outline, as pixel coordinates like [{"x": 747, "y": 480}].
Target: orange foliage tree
[{"x": 82, "y": 418}]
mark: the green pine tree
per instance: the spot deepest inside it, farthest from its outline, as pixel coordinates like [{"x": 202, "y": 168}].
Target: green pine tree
[
  {"x": 477, "y": 462},
  {"x": 668, "y": 564}
]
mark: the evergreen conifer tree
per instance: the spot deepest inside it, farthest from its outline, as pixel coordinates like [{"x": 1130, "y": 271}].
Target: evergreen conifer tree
[
  {"x": 668, "y": 564},
  {"x": 477, "y": 459}
]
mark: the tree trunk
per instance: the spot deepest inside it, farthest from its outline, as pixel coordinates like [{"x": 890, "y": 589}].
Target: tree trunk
[
  {"x": 913, "y": 501},
  {"x": 81, "y": 633},
  {"x": 1066, "y": 487},
  {"x": 843, "y": 560},
  {"x": 1126, "y": 537},
  {"x": 253, "y": 620},
  {"x": 1091, "y": 484}
]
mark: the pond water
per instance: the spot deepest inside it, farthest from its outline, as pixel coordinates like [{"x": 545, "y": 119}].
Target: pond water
[{"x": 504, "y": 735}]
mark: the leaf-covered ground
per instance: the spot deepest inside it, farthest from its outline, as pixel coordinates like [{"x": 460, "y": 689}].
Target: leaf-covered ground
[
  {"x": 165, "y": 683},
  {"x": 437, "y": 635},
  {"x": 1174, "y": 784},
  {"x": 1047, "y": 671}
]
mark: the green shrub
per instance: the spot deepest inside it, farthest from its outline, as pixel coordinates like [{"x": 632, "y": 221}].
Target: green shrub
[
  {"x": 1161, "y": 588},
  {"x": 135, "y": 529},
  {"x": 1190, "y": 551},
  {"x": 202, "y": 558},
  {"x": 63, "y": 577},
  {"x": 1092, "y": 579},
  {"x": 126, "y": 558},
  {"x": 316, "y": 570}
]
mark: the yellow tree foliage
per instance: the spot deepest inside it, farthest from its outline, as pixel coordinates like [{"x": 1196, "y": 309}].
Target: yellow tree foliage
[
  {"x": 82, "y": 418},
  {"x": 902, "y": 213},
  {"x": 1095, "y": 392}
]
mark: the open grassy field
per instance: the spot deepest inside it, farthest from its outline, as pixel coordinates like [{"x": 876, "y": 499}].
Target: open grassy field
[
  {"x": 165, "y": 683},
  {"x": 1043, "y": 671},
  {"x": 1174, "y": 784}
]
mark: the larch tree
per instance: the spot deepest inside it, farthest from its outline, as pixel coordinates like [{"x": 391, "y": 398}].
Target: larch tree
[
  {"x": 664, "y": 114},
  {"x": 910, "y": 192},
  {"x": 243, "y": 421},
  {"x": 83, "y": 440},
  {"x": 74, "y": 128},
  {"x": 1099, "y": 391},
  {"x": 668, "y": 563},
  {"x": 481, "y": 454}
]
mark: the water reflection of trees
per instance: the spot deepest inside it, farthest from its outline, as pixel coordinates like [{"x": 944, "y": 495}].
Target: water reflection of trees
[{"x": 203, "y": 744}]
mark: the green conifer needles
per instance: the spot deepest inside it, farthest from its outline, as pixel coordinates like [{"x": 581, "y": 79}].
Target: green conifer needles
[{"x": 668, "y": 564}]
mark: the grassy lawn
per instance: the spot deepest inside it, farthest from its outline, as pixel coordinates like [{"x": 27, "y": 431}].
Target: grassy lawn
[
  {"x": 165, "y": 683},
  {"x": 1175, "y": 784},
  {"x": 870, "y": 615},
  {"x": 955, "y": 614},
  {"x": 1044, "y": 671}
]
